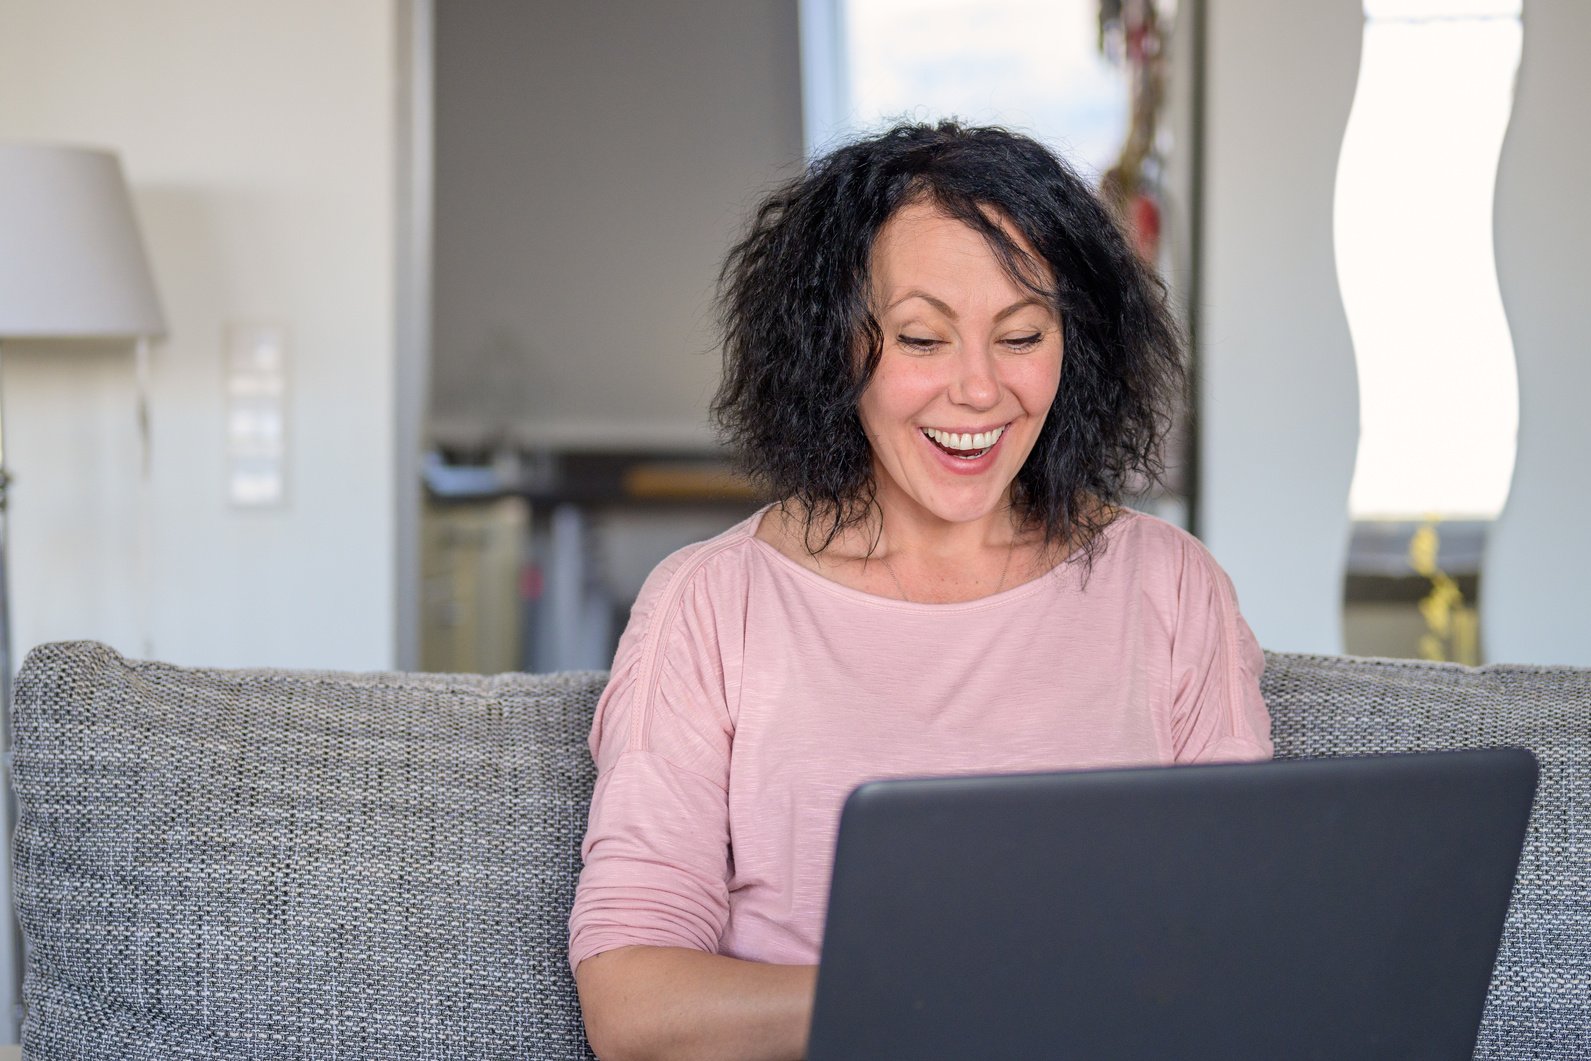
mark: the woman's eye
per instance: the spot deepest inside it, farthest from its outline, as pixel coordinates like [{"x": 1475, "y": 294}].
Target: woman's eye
[
  {"x": 1024, "y": 342},
  {"x": 917, "y": 342}
]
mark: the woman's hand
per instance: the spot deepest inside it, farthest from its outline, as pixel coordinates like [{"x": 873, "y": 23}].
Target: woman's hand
[{"x": 669, "y": 1002}]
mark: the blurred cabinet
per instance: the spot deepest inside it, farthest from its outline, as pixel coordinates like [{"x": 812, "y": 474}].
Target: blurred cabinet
[
  {"x": 504, "y": 591},
  {"x": 472, "y": 556}
]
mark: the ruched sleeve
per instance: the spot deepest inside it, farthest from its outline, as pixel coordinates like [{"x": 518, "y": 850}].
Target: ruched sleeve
[
  {"x": 656, "y": 851},
  {"x": 1217, "y": 713}
]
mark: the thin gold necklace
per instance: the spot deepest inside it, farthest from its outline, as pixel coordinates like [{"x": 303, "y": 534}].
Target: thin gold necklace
[{"x": 1005, "y": 570}]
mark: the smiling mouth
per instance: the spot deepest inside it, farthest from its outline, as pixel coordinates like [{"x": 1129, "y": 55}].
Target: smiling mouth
[{"x": 966, "y": 446}]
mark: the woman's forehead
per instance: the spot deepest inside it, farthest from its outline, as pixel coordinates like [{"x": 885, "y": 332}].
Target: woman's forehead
[{"x": 922, "y": 241}]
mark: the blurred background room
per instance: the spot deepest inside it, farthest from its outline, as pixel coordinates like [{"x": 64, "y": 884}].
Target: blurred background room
[{"x": 437, "y": 279}]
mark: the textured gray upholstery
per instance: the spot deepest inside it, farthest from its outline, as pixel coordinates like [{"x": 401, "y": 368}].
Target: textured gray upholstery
[
  {"x": 1539, "y": 1006},
  {"x": 268, "y": 864}
]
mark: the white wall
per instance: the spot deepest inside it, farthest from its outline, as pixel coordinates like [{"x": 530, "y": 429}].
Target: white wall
[
  {"x": 1279, "y": 422},
  {"x": 258, "y": 138},
  {"x": 1536, "y": 582},
  {"x": 594, "y": 162}
]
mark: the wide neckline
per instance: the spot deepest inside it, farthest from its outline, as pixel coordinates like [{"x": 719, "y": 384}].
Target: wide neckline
[{"x": 1021, "y": 590}]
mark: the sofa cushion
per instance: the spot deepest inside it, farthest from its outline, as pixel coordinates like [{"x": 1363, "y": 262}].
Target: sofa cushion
[
  {"x": 215, "y": 863},
  {"x": 1539, "y": 1004},
  {"x": 263, "y": 864}
]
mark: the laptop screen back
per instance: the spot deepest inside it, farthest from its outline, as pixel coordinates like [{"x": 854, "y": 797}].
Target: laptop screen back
[{"x": 1344, "y": 908}]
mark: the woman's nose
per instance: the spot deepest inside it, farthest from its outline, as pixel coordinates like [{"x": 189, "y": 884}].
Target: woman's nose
[{"x": 975, "y": 384}]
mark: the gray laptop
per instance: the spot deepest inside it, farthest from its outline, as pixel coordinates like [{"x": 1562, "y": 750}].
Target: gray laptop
[{"x": 1332, "y": 908}]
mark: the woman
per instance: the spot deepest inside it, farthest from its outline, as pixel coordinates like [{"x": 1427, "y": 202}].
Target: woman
[{"x": 944, "y": 358}]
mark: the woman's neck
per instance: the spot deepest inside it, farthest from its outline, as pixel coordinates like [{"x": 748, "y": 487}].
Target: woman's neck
[{"x": 922, "y": 561}]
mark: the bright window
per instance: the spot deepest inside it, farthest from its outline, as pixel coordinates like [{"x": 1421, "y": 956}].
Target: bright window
[{"x": 1031, "y": 65}]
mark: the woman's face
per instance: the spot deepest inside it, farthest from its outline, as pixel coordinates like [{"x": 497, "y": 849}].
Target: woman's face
[{"x": 970, "y": 364}]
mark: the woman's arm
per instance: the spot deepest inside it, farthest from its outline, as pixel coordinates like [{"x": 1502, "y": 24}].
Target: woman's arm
[{"x": 670, "y": 1002}]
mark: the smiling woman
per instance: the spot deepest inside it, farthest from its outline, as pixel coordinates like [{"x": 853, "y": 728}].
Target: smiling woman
[
  {"x": 810, "y": 290},
  {"x": 946, "y": 362}
]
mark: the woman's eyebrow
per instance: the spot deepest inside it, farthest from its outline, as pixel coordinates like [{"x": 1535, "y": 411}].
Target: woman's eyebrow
[
  {"x": 938, "y": 304},
  {"x": 1015, "y": 306},
  {"x": 944, "y": 307}
]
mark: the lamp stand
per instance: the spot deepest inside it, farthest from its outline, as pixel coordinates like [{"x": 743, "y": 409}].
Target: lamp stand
[{"x": 10, "y": 931}]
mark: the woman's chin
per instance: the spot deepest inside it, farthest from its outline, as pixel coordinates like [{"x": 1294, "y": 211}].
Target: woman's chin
[
  {"x": 958, "y": 506},
  {"x": 935, "y": 487}
]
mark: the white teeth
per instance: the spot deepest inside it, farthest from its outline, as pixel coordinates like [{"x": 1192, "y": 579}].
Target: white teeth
[{"x": 964, "y": 441}]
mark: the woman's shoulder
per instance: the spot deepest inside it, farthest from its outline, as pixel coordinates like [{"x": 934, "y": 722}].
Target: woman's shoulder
[
  {"x": 1147, "y": 544},
  {"x": 710, "y": 566},
  {"x": 669, "y": 689},
  {"x": 1148, "y": 531},
  {"x": 1152, "y": 561}
]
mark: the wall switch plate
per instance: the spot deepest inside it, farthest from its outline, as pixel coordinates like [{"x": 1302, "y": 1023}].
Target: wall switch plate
[{"x": 256, "y": 415}]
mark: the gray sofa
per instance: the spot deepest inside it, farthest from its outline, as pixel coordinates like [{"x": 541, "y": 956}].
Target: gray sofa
[{"x": 271, "y": 864}]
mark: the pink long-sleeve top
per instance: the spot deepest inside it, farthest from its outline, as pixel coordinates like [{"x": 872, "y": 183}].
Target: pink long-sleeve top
[{"x": 750, "y": 694}]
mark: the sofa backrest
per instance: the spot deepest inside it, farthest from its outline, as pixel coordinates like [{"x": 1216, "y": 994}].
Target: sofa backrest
[
  {"x": 225, "y": 864},
  {"x": 1539, "y": 1003},
  {"x": 214, "y": 863}
]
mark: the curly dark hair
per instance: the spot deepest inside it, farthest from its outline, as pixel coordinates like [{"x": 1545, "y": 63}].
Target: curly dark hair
[{"x": 794, "y": 312}]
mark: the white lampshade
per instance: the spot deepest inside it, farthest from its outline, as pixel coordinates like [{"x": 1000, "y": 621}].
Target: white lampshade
[{"x": 71, "y": 260}]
